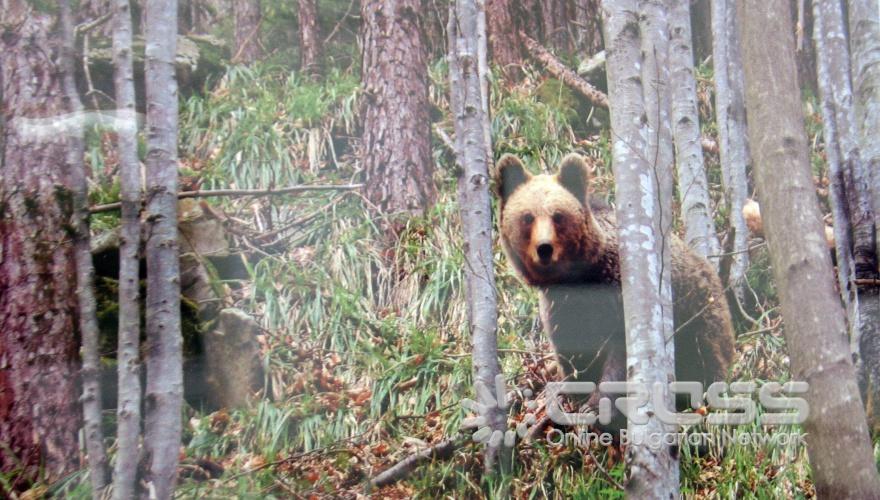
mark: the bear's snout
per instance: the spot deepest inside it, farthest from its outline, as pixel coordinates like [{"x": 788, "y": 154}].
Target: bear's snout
[{"x": 545, "y": 252}]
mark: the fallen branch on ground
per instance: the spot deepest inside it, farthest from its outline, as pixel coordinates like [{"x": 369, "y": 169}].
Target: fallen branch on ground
[
  {"x": 400, "y": 470},
  {"x": 109, "y": 207},
  {"x": 558, "y": 69}
]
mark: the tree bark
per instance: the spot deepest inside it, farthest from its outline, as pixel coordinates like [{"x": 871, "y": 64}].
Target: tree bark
[
  {"x": 39, "y": 413},
  {"x": 588, "y": 27},
  {"x": 309, "y": 38},
  {"x": 564, "y": 74},
  {"x": 864, "y": 46},
  {"x": 473, "y": 152},
  {"x": 164, "y": 394},
  {"x": 849, "y": 177},
  {"x": 641, "y": 151},
  {"x": 731, "y": 120},
  {"x": 505, "y": 47},
  {"x": 693, "y": 187},
  {"x": 128, "y": 413},
  {"x": 556, "y": 15},
  {"x": 837, "y": 437},
  {"x": 85, "y": 273},
  {"x": 396, "y": 148},
  {"x": 247, "y": 16}
]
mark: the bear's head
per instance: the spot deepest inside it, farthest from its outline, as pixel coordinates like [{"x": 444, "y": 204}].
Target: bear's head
[{"x": 547, "y": 228}]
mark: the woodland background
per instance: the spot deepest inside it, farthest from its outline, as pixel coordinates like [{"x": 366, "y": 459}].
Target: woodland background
[{"x": 324, "y": 332}]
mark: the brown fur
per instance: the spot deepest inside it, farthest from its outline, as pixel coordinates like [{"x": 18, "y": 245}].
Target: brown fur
[{"x": 581, "y": 303}]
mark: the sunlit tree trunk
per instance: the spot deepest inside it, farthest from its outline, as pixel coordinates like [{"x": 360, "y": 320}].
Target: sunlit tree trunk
[
  {"x": 469, "y": 99},
  {"x": 164, "y": 392},
  {"x": 247, "y": 17},
  {"x": 637, "y": 67},
  {"x": 396, "y": 146},
  {"x": 38, "y": 302},
  {"x": 693, "y": 187},
  {"x": 309, "y": 42},
  {"x": 731, "y": 120},
  {"x": 128, "y": 412},
  {"x": 837, "y": 437}
]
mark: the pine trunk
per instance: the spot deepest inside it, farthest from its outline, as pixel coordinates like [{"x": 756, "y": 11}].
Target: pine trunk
[
  {"x": 247, "y": 17},
  {"x": 731, "y": 121},
  {"x": 837, "y": 437},
  {"x": 164, "y": 394},
  {"x": 396, "y": 148},
  {"x": 467, "y": 41},
  {"x": 39, "y": 411},
  {"x": 309, "y": 43},
  {"x": 128, "y": 412},
  {"x": 693, "y": 187},
  {"x": 637, "y": 66},
  {"x": 505, "y": 47}
]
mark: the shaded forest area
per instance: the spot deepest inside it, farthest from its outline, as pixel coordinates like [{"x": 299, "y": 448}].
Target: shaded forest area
[{"x": 255, "y": 248}]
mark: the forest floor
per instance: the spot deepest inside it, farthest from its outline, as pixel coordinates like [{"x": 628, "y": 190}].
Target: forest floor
[{"x": 365, "y": 341}]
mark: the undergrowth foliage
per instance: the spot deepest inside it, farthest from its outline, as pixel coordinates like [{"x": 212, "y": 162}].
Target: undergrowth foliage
[{"x": 365, "y": 341}]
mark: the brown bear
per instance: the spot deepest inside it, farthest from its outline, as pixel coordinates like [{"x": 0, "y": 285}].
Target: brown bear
[{"x": 564, "y": 242}]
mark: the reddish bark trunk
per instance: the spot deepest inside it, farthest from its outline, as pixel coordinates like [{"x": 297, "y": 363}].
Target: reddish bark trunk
[
  {"x": 396, "y": 152},
  {"x": 39, "y": 416},
  {"x": 309, "y": 44},
  {"x": 505, "y": 47}
]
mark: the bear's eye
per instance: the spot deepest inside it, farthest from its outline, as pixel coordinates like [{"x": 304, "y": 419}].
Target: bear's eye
[
  {"x": 558, "y": 218},
  {"x": 528, "y": 219}
]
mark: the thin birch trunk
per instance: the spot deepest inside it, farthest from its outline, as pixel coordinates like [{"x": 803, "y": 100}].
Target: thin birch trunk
[
  {"x": 641, "y": 151},
  {"x": 837, "y": 437},
  {"x": 163, "y": 399},
  {"x": 864, "y": 47},
  {"x": 85, "y": 272},
  {"x": 840, "y": 180},
  {"x": 853, "y": 213},
  {"x": 731, "y": 120},
  {"x": 128, "y": 413},
  {"x": 468, "y": 98},
  {"x": 693, "y": 187}
]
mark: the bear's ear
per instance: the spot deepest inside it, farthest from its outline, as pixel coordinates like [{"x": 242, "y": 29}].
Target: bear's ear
[
  {"x": 509, "y": 175},
  {"x": 574, "y": 175}
]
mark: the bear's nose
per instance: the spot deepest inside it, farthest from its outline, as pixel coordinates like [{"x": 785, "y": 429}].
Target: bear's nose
[{"x": 545, "y": 252}]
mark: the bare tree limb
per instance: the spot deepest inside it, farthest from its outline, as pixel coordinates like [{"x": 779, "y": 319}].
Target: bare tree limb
[
  {"x": 564, "y": 73},
  {"x": 442, "y": 450},
  {"x": 205, "y": 193}
]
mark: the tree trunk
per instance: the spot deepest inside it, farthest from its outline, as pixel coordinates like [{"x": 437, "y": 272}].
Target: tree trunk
[
  {"x": 473, "y": 152},
  {"x": 556, "y": 15},
  {"x": 731, "y": 120},
  {"x": 864, "y": 33},
  {"x": 641, "y": 152},
  {"x": 837, "y": 437},
  {"x": 505, "y": 46},
  {"x": 85, "y": 272},
  {"x": 309, "y": 41},
  {"x": 39, "y": 413},
  {"x": 396, "y": 149},
  {"x": 247, "y": 16},
  {"x": 588, "y": 27},
  {"x": 856, "y": 257},
  {"x": 701, "y": 29},
  {"x": 693, "y": 187},
  {"x": 164, "y": 392},
  {"x": 128, "y": 412}
]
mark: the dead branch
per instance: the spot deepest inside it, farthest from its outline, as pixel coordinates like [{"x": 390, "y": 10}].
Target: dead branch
[
  {"x": 442, "y": 450},
  {"x": 564, "y": 73},
  {"x": 109, "y": 207}
]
